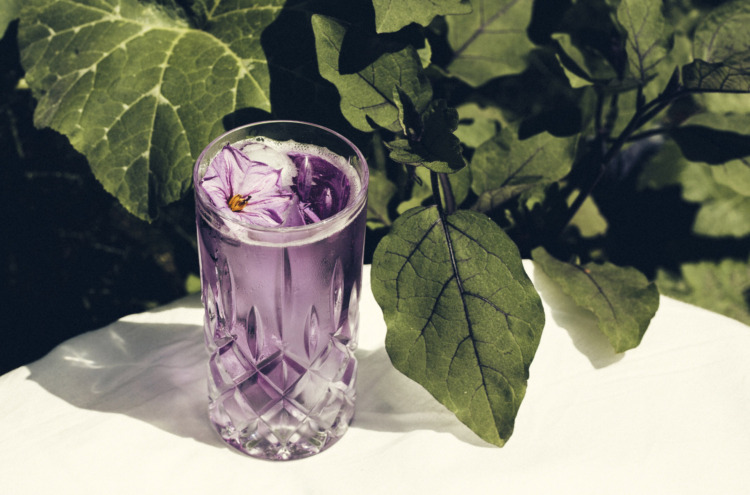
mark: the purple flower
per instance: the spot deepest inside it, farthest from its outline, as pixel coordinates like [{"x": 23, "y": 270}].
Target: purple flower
[
  {"x": 322, "y": 188},
  {"x": 251, "y": 190}
]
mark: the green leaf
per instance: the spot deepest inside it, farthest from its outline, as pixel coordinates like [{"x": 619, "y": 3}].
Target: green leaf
[
  {"x": 9, "y": 12},
  {"x": 681, "y": 53},
  {"x": 583, "y": 37},
  {"x": 425, "y": 54},
  {"x": 572, "y": 60},
  {"x": 401, "y": 152},
  {"x": 725, "y": 102},
  {"x": 477, "y": 124},
  {"x": 491, "y": 41},
  {"x": 408, "y": 115},
  {"x": 722, "y": 212},
  {"x": 588, "y": 219},
  {"x": 193, "y": 284},
  {"x": 647, "y": 36},
  {"x": 703, "y": 76},
  {"x": 368, "y": 94},
  {"x": 435, "y": 146},
  {"x": 735, "y": 175},
  {"x": 505, "y": 166},
  {"x": 664, "y": 169},
  {"x": 421, "y": 190},
  {"x": 721, "y": 140},
  {"x": 721, "y": 48},
  {"x": 137, "y": 90},
  {"x": 721, "y": 287},
  {"x": 392, "y": 15},
  {"x": 621, "y": 298},
  {"x": 380, "y": 190},
  {"x": 463, "y": 318},
  {"x": 714, "y": 139},
  {"x": 460, "y": 183},
  {"x": 721, "y": 37}
]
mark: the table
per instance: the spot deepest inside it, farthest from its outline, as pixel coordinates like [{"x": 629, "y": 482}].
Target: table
[{"x": 122, "y": 410}]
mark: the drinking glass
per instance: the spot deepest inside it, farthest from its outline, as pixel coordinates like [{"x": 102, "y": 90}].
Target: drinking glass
[{"x": 281, "y": 310}]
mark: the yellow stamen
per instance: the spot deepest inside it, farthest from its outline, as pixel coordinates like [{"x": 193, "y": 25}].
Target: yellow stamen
[{"x": 237, "y": 202}]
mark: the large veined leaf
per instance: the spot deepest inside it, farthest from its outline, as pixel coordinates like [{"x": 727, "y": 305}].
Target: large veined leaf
[
  {"x": 647, "y": 39},
  {"x": 368, "y": 95},
  {"x": 721, "y": 48},
  {"x": 505, "y": 166},
  {"x": 392, "y": 15},
  {"x": 491, "y": 41},
  {"x": 463, "y": 318},
  {"x": 621, "y": 298},
  {"x": 137, "y": 90},
  {"x": 720, "y": 37}
]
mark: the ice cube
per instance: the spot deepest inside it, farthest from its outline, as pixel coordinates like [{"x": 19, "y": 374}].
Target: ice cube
[{"x": 260, "y": 152}]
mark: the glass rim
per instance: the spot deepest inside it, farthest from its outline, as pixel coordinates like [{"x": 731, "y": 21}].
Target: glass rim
[{"x": 357, "y": 202}]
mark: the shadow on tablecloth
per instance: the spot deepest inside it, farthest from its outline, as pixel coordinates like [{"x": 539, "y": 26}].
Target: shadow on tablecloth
[
  {"x": 150, "y": 371},
  {"x": 579, "y": 323},
  {"x": 389, "y": 401},
  {"x": 155, "y": 372}
]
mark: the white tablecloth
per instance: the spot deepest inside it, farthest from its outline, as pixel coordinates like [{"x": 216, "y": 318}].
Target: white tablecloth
[{"x": 122, "y": 410}]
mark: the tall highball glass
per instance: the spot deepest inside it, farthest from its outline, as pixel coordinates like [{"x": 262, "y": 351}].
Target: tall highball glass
[{"x": 281, "y": 303}]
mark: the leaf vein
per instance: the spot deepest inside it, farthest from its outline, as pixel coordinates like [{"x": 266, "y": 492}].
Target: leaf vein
[
  {"x": 211, "y": 17},
  {"x": 467, "y": 316},
  {"x": 482, "y": 25},
  {"x": 433, "y": 311},
  {"x": 408, "y": 257},
  {"x": 522, "y": 165},
  {"x": 478, "y": 243},
  {"x": 598, "y": 287}
]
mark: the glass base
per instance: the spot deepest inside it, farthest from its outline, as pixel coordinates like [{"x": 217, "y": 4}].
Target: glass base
[
  {"x": 282, "y": 410},
  {"x": 283, "y": 444}
]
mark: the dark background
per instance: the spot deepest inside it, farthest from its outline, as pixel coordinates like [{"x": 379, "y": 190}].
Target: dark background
[{"x": 72, "y": 258}]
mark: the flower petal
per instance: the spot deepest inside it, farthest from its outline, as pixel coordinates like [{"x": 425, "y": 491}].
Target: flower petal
[
  {"x": 278, "y": 160},
  {"x": 231, "y": 173}
]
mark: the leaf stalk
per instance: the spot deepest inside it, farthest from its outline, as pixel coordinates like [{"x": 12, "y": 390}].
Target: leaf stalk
[{"x": 450, "y": 200}]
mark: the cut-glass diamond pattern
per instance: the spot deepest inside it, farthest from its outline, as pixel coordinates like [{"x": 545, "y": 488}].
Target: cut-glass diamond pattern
[
  {"x": 233, "y": 362},
  {"x": 257, "y": 394},
  {"x": 267, "y": 401}
]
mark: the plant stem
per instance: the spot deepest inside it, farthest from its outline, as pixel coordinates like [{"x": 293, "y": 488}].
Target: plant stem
[
  {"x": 450, "y": 200},
  {"x": 643, "y": 115},
  {"x": 599, "y": 111},
  {"x": 434, "y": 182},
  {"x": 648, "y": 134}
]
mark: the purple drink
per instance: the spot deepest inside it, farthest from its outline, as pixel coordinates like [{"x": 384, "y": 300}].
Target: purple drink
[{"x": 281, "y": 302}]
